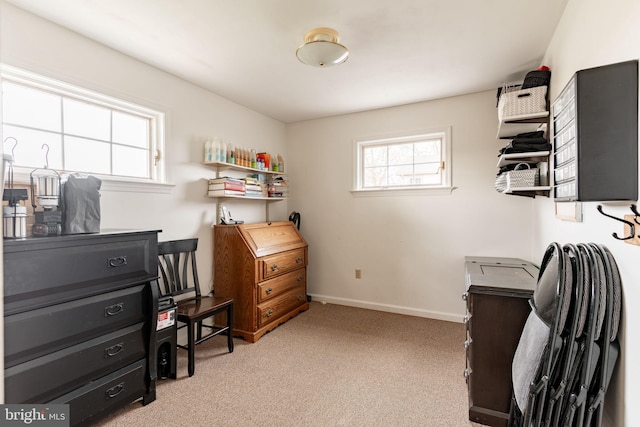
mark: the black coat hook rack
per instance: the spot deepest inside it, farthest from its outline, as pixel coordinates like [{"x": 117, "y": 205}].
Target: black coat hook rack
[
  {"x": 634, "y": 209},
  {"x": 631, "y": 225}
]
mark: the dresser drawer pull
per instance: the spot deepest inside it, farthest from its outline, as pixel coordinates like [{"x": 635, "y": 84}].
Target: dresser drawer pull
[
  {"x": 114, "y": 349},
  {"x": 299, "y": 297},
  {"x": 269, "y": 313},
  {"x": 114, "y": 309},
  {"x": 466, "y": 319},
  {"x": 467, "y": 374},
  {"x": 464, "y": 296},
  {"x": 269, "y": 290},
  {"x": 274, "y": 267},
  {"x": 118, "y": 261},
  {"x": 298, "y": 260},
  {"x": 299, "y": 278},
  {"x": 114, "y": 391},
  {"x": 467, "y": 343}
]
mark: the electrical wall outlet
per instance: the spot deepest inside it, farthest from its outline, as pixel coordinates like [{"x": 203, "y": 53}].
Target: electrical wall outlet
[{"x": 358, "y": 273}]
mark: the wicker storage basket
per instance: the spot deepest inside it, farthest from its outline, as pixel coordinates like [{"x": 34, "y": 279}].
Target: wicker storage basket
[
  {"x": 501, "y": 183},
  {"x": 522, "y": 176},
  {"x": 522, "y": 102}
]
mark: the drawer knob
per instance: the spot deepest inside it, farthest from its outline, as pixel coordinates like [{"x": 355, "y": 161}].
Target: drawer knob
[
  {"x": 299, "y": 278},
  {"x": 269, "y": 313},
  {"x": 115, "y": 390},
  {"x": 298, "y": 260},
  {"x": 300, "y": 297},
  {"x": 114, "y": 309},
  {"x": 466, "y": 319},
  {"x": 274, "y": 267},
  {"x": 118, "y": 261},
  {"x": 114, "y": 349},
  {"x": 467, "y": 373},
  {"x": 467, "y": 343},
  {"x": 269, "y": 290},
  {"x": 464, "y": 296}
]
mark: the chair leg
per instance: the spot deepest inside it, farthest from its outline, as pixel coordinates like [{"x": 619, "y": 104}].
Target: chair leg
[
  {"x": 191, "y": 344},
  {"x": 230, "y": 325}
]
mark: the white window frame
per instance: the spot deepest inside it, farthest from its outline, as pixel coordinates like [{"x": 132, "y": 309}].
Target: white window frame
[
  {"x": 446, "y": 186},
  {"x": 157, "y": 165}
]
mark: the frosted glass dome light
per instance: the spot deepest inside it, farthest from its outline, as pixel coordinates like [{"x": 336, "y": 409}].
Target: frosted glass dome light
[{"x": 321, "y": 48}]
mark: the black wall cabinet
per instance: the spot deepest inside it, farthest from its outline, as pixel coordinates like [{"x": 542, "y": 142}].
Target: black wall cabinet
[{"x": 595, "y": 135}]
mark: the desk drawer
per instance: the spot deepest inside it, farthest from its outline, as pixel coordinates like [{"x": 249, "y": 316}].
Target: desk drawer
[
  {"x": 278, "y": 306},
  {"x": 273, "y": 265},
  {"x": 54, "y": 374},
  {"x": 280, "y": 284},
  {"x": 35, "y": 333},
  {"x": 111, "y": 391},
  {"x": 48, "y": 274}
]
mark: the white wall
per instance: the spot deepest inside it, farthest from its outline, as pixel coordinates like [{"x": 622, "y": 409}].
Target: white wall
[
  {"x": 410, "y": 249},
  {"x": 593, "y": 33},
  {"x": 192, "y": 113}
]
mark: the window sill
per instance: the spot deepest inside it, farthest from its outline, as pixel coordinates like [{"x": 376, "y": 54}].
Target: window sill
[
  {"x": 23, "y": 179},
  {"x": 403, "y": 192},
  {"x": 136, "y": 187}
]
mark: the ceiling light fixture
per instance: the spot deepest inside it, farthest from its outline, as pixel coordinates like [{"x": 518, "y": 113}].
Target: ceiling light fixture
[{"x": 321, "y": 48}]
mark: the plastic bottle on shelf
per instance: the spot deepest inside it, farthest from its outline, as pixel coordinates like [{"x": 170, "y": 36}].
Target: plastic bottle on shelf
[
  {"x": 229, "y": 151},
  {"x": 253, "y": 159},
  {"x": 216, "y": 149},
  {"x": 223, "y": 151},
  {"x": 280, "y": 163},
  {"x": 207, "y": 150},
  {"x": 231, "y": 154},
  {"x": 267, "y": 161}
]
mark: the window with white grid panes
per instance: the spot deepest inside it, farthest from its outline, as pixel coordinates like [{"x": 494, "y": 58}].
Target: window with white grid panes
[
  {"x": 71, "y": 129},
  {"x": 411, "y": 161}
]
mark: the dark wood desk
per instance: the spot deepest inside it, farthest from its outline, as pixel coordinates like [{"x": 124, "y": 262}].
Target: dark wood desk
[{"x": 497, "y": 296}]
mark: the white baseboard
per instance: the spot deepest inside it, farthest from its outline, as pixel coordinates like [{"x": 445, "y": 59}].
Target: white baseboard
[{"x": 449, "y": 317}]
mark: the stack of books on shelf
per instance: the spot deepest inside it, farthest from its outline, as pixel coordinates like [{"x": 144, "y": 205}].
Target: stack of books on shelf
[
  {"x": 225, "y": 186},
  {"x": 254, "y": 188},
  {"x": 278, "y": 187}
]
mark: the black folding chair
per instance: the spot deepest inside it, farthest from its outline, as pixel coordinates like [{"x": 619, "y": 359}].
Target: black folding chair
[
  {"x": 540, "y": 345},
  {"x": 608, "y": 342},
  {"x": 575, "y": 324},
  {"x": 587, "y": 363}
]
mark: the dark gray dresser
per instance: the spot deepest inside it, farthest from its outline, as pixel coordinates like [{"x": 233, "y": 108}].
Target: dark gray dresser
[
  {"x": 79, "y": 321},
  {"x": 497, "y": 297}
]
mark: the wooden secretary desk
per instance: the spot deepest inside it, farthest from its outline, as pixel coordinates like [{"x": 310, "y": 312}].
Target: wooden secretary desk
[
  {"x": 263, "y": 267},
  {"x": 497, "y": 296}
]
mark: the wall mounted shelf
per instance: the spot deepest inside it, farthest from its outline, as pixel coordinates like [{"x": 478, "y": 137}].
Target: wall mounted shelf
[
  {"x": 509, "y": 127},
  {"x": 223, "y": 166}
]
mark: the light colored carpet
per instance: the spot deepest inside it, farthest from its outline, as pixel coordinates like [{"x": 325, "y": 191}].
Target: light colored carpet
[{"x": 329, "y": 366}]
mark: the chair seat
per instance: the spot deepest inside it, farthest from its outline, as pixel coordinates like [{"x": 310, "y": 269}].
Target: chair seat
[{"x": 201, "y": 308}]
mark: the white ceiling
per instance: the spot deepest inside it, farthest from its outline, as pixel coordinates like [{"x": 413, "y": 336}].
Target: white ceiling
[{"x": 402, "y": 51}]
